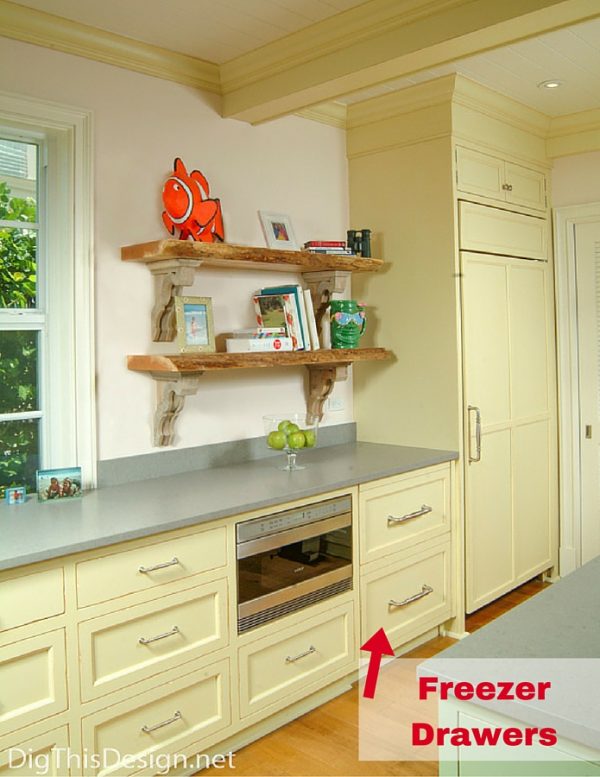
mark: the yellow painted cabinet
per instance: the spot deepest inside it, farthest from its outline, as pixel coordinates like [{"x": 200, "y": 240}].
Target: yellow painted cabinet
[
  {"x": 509, "y": 421},
  {"x": 279, "y": 668},
  {"x": 488, "y": 176},
  {"x": 194, "y": 707},
  {"x": 407, "y": 595},
  {"x": 123, "y": 647},
  {"x": 31, "y": 597},
  {"x": 45, "y": 754},
  {"x": 32, "y": 680},
  {"x": 497, "y": 231},
  {"x": 402, "y": 511}
]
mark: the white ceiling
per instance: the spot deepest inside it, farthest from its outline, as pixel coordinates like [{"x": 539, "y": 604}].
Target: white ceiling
[
  {"x": 220, "y": 30},
  {"x": 571, "y": 55},
  {"x": 214, "y": 30}
]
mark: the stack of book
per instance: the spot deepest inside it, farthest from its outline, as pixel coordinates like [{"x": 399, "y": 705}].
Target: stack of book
[
  {"x": 338, "y": 247},
  {"x": 289, "y": 308}
]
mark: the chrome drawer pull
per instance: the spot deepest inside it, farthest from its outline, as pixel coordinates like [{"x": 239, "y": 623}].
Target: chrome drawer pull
[
  {"x": 149, "y": 729},
  {"x": 291, "y": 659},
  {"x": 425, "y": 591},
  {"x": 173, "y": 562},
  {"x": 409, "y": 516},
  {"x": 147, "y": 641}
]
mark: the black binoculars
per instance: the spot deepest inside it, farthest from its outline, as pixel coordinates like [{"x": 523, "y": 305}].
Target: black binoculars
[{"x": 359, "y": 240}]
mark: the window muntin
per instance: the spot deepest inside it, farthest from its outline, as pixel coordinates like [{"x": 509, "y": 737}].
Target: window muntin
[{"x": 22, "y": 324}]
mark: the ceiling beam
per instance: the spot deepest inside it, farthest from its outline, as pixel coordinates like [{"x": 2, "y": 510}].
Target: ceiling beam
[{"x": 379, "y": 41}]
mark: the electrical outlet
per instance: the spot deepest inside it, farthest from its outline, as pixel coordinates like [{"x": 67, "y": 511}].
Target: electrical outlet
[{"x": 335, "y": 404}]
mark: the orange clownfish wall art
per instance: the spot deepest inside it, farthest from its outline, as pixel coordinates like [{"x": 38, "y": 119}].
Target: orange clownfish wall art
[{"x": 189, "y": 208}]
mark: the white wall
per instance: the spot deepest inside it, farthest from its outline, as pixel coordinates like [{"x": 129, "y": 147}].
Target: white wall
[
  {"x": 291, "y": 166},
  {"x": 576, "y": 179}
]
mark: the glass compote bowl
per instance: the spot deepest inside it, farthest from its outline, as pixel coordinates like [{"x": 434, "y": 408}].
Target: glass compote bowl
[{"x": 290, "y": 433}]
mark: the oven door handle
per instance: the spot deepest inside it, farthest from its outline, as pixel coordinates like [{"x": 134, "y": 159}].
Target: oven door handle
[{"x": 297, "y": 534}]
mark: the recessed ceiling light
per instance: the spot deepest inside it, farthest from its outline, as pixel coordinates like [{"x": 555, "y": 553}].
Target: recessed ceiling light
[{"x": 552, "y": 83}]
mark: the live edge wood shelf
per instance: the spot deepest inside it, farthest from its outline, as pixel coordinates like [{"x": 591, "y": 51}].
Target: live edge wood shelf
[{"x": 174, "y": 263}]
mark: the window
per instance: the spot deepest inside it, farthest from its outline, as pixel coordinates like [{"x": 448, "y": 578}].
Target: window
[{"x": 46, "y": 346}]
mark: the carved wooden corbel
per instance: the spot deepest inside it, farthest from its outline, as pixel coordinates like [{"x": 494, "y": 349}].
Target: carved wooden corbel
[
  {"x": 169, "y": 278},
  {"x": 322, "y": 285},
  {"x": 171, "y": 399},
  {"x": 321, "y": 380}
]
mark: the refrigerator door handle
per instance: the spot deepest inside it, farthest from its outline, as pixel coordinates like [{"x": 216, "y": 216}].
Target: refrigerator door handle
[{"x": 477, "y": 456}]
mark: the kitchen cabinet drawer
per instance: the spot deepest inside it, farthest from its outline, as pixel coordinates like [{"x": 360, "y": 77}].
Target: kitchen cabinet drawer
[
  {"x": 495, "y": 231},
  {"x": 128, "y": 645},
  {"x": 489, "y": 176},
  {"x": 28, "y": 598},
  {"x": 280, "y": 667},
  {"x": 401, "y": 511},
  {"x": 407, "y": 597},
  {"x": 45, "y": 754},
  {"x": 32, "y": 680},
  {"x": 194, "y": 707},
  {"x": 146, "y": 567}
]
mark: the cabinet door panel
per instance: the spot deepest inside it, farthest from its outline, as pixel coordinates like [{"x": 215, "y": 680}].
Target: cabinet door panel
[
  {"x": 29, "y": 598},
  {"x": 529, "y": 333},
  {"x": 45, "y": 754},
  {"x": 174, "y": 629},
  {"x": 479, "y": 173},
  {"x": 486, "y": 343},
  {"x": 33, "y": 682},
  {"x": 149, "y": 566},
  {"x": 497, "y": 231},
  {"x": 275, "y": 670},
  {"x": 408, "y": 596},
  {"x": 402, "y": 499},
  {"x": 528, "y": 186},
  {"x": 531, "y": 489},
  {"x": 191, "y": 708},
  {"x": 489, "y": 531}
]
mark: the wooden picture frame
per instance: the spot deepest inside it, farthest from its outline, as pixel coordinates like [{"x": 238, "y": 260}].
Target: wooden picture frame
[
  {"x": 278, "y": 230},
  {"x": 195, "y": 328}
]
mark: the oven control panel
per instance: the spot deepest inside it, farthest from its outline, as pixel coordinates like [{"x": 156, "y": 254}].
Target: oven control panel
[{"x": 271, "y": 524}]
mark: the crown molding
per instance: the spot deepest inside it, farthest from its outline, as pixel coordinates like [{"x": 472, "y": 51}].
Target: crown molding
[
  {"x": 412, "y": 98},
  {"x": 477, "y": 97},
  {"x": 576, "y": 133},
  {"x": 54, "y": 32},
  {"x": 332, "y": 113}
]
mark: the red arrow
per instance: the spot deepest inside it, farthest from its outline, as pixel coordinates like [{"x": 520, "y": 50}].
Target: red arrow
[{"x": 378, "y": 645}]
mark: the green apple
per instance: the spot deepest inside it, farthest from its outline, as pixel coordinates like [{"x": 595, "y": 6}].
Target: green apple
[
  {"x": 283, "y": 426},
  {"x": 310, "y": 438},
  {"x": 296, "y": 440},
  {"x": 276, "y": 440},
  {"x": 292, "y": 428}
]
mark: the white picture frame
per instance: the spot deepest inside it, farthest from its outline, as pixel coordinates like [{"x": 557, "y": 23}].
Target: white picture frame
[{"x": 278, "y": 231}]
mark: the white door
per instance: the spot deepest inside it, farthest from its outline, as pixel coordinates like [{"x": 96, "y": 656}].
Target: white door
[
  {"x": 510, "y": 475},
  {"x": 587, "y": 253}
]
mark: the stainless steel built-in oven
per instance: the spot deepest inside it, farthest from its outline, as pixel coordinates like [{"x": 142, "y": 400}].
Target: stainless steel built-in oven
[{"x": 290, "y": 560}]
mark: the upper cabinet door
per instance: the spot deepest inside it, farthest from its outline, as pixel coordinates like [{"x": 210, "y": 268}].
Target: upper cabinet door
[
  {"x": 525, "y": 187},
  {"x": 479, "y": 173},
  {"x": 495, "y": 178},
  {"x": 498, "y": 231}
]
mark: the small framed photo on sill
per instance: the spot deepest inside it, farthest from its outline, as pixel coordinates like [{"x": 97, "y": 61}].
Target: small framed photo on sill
[
  {"x": 278, "y": 231},
  {"x": 195, "y": 329},
  {"x": 55, "y": 484}
]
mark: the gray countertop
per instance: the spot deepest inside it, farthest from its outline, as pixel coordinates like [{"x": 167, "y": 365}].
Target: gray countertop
[
  {"x": 553, "y": 636},
  {"x": 35, "y": 532}
]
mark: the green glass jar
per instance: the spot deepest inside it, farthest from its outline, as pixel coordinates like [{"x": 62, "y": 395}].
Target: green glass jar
[{"x": 348, "y": 322}]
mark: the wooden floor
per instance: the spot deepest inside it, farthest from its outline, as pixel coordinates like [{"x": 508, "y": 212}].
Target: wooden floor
[{"x": 325, "y": 741}]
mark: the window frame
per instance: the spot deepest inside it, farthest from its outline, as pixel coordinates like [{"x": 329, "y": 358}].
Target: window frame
[{"x": 65, "y": 285}]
